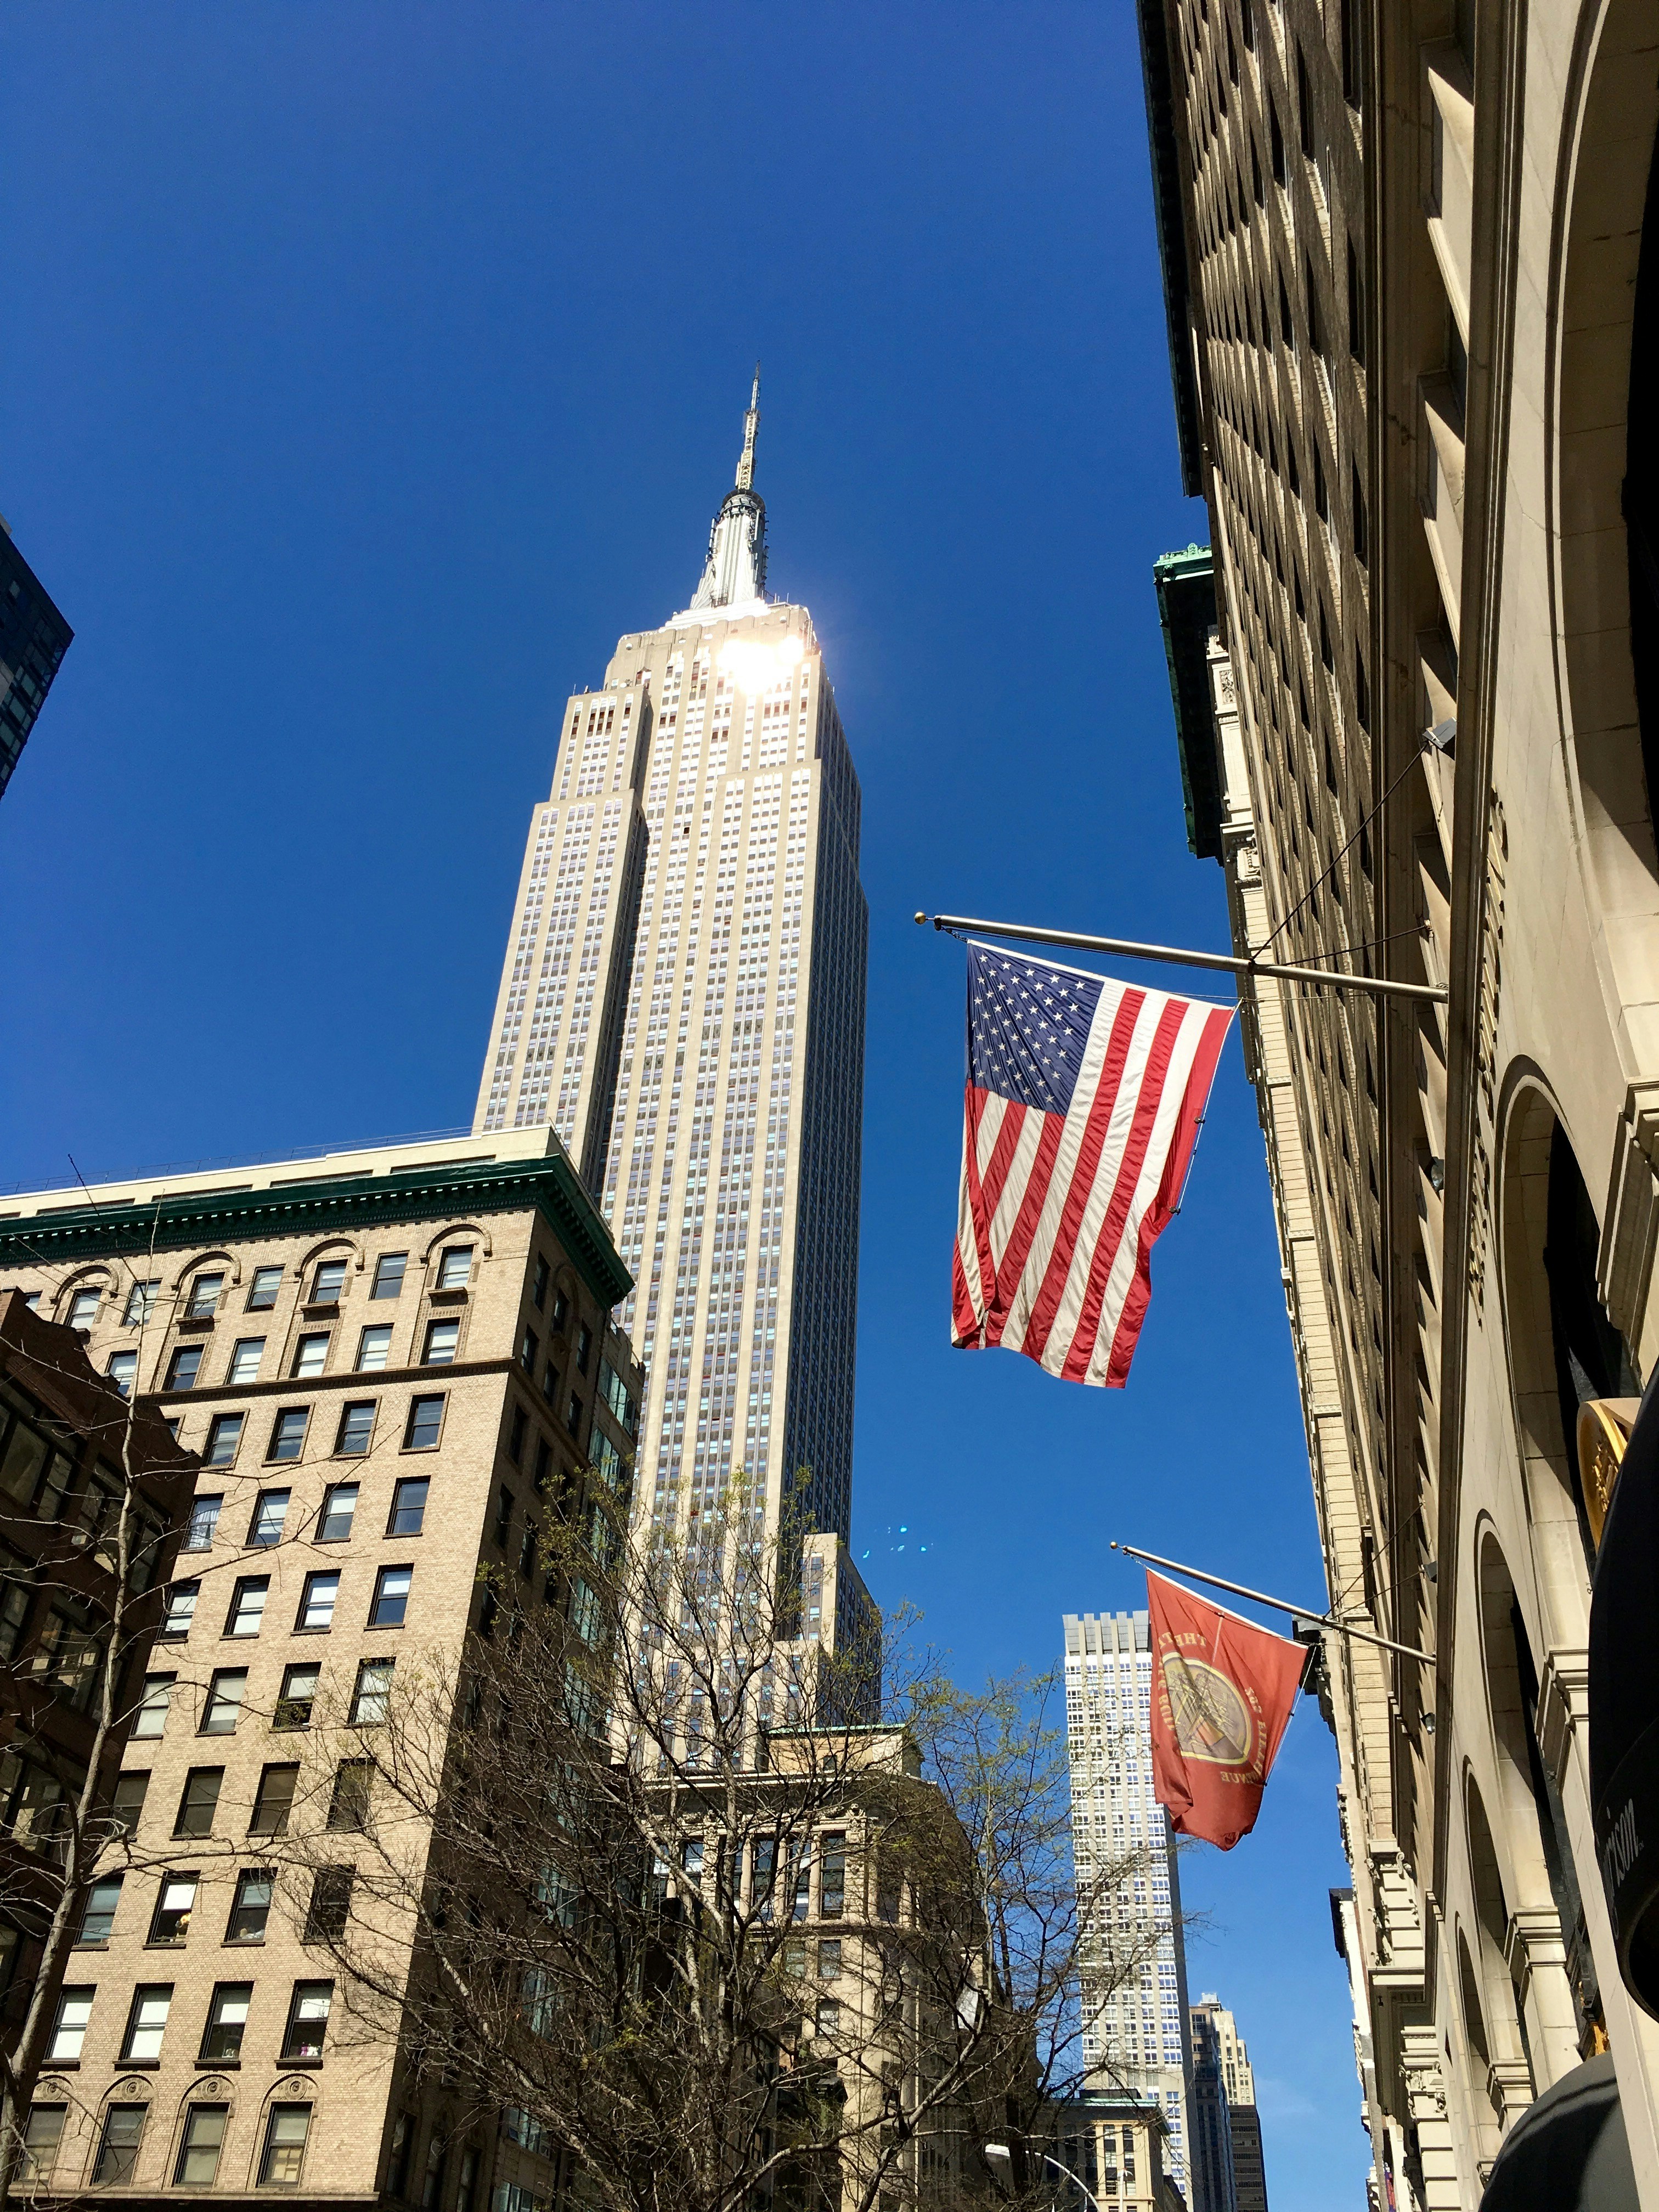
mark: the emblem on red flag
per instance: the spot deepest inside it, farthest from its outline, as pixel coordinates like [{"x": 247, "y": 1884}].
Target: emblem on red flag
[{"x": 1222, "y": 1694}]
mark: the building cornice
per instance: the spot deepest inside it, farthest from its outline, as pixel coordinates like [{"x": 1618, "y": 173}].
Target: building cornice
[{"x": 548, "y": 1183}]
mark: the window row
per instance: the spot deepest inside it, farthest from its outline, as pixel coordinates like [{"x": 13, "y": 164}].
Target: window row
[
  {"x": 225, "y": 2024},
  {"x": 318, "y": 1601},
  {"x": 440, "y": 1348},
  {"x": 226, "y": 1695},
  {"x": 201, "y": 1299},
  {"x": 350, "y": 1793},
  {"x": 353, "y": 1434},
  {"x": 268, "y": 1521},
  {"x": 201, "y": 2143}
]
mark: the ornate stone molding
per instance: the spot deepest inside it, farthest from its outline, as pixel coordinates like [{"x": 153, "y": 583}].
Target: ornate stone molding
[{"x": 1563, "y": 1705}]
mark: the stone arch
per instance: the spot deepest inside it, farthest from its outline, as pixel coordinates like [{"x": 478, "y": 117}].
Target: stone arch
[
  {"x": 342, "y": 1239},
  {"x": 215, "y": 1255},
  {"x": 456, "y": 1229},
  {"x": 1484, "y": 2114},
  {"x": 94, "y": 1273},
  {"x": 126, "y": 2089},
  {"x": 1544, "y": 1940},
  {"x": 1507, "y": 2086},
  {"x": 1562, "y": 1347},
  {"x": 205, "y": 2089},
  {"x": 1602, "y": 337}
]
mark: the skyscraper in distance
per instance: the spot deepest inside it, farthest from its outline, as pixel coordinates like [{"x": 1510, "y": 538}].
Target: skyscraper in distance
[
  {"x": 683, "y": 998},
  {"x": 1216, "y": 2031},
  {"x": 1134, "y": 2029}
]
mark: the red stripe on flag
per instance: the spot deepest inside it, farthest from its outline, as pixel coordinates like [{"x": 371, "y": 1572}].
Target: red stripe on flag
[
  {"x": 1159, "y": 1212},
  {"x": 1064, "y": 1249},
  {"x": 1123, "y": 1190},
  {"x": 1002, "y": 1154},
  {"x": 1026, "y": 1224},
  {"x": 974, "y": 1105}
]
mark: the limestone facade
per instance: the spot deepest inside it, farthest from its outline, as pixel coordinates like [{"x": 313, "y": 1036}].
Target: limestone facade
[{"x": 1404, "y": 251}]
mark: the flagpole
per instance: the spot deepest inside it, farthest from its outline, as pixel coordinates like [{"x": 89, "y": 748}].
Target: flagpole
[
  {"x": 1279, "y": 1604},
  {"x": 1381, "y": 987}
]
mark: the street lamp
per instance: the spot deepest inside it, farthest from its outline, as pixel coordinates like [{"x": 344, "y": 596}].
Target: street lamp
[{"x": 999, "y": 2155}]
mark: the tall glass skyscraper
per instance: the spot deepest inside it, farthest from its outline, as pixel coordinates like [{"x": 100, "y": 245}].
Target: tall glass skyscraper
[
  {"x": 683, "y": 998},
  {"x": 1135, "y": 1974}
]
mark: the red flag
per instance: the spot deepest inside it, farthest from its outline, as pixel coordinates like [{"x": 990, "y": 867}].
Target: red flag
[{"x": 1222, "y": 1694}]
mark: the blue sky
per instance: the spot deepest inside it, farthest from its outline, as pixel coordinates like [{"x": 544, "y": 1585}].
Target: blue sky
[{"x": 369, "y": 371}]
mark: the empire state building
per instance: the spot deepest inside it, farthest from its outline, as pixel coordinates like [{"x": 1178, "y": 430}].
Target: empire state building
[{"x": 683, "y": 999}]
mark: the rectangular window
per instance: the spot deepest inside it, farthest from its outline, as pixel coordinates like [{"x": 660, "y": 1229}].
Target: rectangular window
[
  {"x": 389, "y": 1274},
  {"x": 330, "y": 1904},
  {"x": 43, "y": 2130},
  {"x": 408, "y": 1507},
  {"x": 356, "y": 1429},
  {"x": 530, "y": 1350},
  {"x": 270, "y": 1511},
  {"x": 273, "y": 1801},
  {"x": 262, "y": 1292},
  {"x": 426, "y": 1417},
  {"x": 99, "y": 1918},
  {"x": 227, "y": 2022},
  {"x": 289, "y": 1433},
  {"x": 198, "y": 1800},
  {"x": 224, "y": 1434},
  {"x": 70, "y": 2029},
  {"x": 317, "y": 1605},
  {"x": 151, "y": 1717},
  {"x": 310, "y": 1357},
  {"x": 141, "y": 1303},
  {"x": 561, "y": 1310},
  {"x": 828, "y": 2016},
  {"x": 117, "y": 2142},
  {"x": 538, "y": 1291},
  {"x": 455, "y": 1268},
  {"x": 147, "y": 2022},
  {"x": 244, "y": 1358},
  {"x": 830, "y": 1957},
  {"x": 127, "y": 1801},
  {"x": 200, "y": 2144},
  {"x": 832, "y": 1877},
  {"x": 174, "y": 1903},
  {"x": 340, "y": 1506},
  {"x": 204, "y": 1297},
  {"x": 503, "y": 1515},
  {"x": 184, "y": 1367},
  {"x": 181, "y": 1609},
  {"x": 584, "y": 1347},
  {"x": 573, "y": 1419},
  {"x": 373, "y": 1695},
  {"x": 226, "y": 1691},
  {"x": 83, "y": 1309},
  {"x": 247, "y": 1607},
  {"x": 432, "y": 2181},
  {"x": 441, "y": 1338},
  {"x": 348, "y": 1806},
  {"x": 123, "y": 1366},
  {"x": 374, "y": 1347},
  {"x": 284, "y": 2153},
  {"x": 251, "y": 1907},
  {"x": 299, "y": 1693},
  {"x": 390, "y": 1597},
  {"x": 328, "y": 1282}
]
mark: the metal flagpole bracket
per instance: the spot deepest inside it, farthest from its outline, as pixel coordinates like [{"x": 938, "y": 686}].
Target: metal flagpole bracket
[
  {"x": 1232, "y": 963},
  {"x": 1299, "y": 1613}
]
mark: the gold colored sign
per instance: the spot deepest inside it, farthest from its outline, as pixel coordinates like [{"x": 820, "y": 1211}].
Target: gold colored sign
[{"x": 1604, "y": 1427}]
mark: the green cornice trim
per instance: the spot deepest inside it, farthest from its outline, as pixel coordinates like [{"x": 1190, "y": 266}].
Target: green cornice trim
[{"x": 550, "y": 1184}]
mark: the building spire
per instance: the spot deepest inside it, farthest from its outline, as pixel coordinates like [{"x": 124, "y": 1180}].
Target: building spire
[
  {"x": 734, "y": 573},
  {"x": 751, "y": 425}
]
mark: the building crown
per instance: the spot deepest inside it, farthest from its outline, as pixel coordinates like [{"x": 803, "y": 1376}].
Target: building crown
[{"x": 734, "y": 573}]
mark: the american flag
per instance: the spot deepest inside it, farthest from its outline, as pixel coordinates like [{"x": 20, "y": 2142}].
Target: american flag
[{"x": 1084, "y": 1099}]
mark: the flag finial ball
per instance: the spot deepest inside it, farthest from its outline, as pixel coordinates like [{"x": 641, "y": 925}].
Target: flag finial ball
[{"x": 920, "y": 918}]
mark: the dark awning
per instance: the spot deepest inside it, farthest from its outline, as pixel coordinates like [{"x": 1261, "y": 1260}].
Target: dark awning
[
  {"x": 1567, "y": 2152},
  {"x": 1624, "y": 1708}
]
